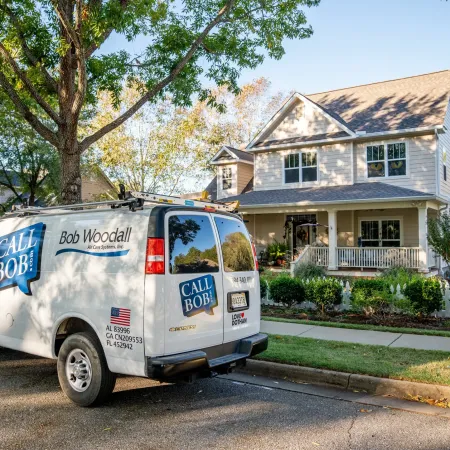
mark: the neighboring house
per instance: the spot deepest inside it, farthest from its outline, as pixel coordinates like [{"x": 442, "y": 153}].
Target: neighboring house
[
  {"x": 95, "y": 185},
  {"x": 359, "y": 170}
]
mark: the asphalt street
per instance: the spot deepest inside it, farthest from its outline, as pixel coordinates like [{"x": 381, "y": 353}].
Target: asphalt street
[{"x": 222, "y": 413}]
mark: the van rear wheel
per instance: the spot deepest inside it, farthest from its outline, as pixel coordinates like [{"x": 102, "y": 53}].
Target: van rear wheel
[{"x": 82, "y": 370}]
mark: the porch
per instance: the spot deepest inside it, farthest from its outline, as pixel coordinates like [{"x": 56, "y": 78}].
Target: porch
[{"x": 351, "y": 239}]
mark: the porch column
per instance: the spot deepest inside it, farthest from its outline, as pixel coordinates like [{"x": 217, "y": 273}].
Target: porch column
[
  {"x": 423, "y": 242},
  {"x": 332, "y": 240}
]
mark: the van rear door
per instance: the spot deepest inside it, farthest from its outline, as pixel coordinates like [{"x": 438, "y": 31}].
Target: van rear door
[
  {"x": 241, "y": 295},
  {"x": 193, "y": 283}
]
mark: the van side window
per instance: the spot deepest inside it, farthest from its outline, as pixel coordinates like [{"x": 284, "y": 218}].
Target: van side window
[
  {"x": 192, "y": 245},
  {"x": 236, "y": 249}
]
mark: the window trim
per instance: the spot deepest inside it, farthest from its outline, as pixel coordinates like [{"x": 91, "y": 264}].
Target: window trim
[
  {"x": 166, "y": 241},
  {"x": 381, "y": 219},
  {"x": 230, "y": 178},
  {"x": 386, "y": 160},
  {"x": 300, "y": 167}
]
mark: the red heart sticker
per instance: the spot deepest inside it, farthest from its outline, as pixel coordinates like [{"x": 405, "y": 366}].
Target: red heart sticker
[{"x": 242, "y": 314}]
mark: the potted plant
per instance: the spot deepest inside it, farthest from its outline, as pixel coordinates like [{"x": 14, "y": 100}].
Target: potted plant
[{"x": 277, "y": 251}]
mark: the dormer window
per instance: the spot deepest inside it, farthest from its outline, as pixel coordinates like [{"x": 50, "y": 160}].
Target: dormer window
[
  {"x": 394, "y": 160},
  {"x": 226, "y": 178},
  {"x": 307, "y": 172}
]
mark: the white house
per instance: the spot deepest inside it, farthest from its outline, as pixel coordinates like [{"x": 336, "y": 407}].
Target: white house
[{"x": 352, "y": 175}]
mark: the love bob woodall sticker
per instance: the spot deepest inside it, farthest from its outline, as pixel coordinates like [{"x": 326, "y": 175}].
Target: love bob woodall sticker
[
  {"x": 198, "y": 295},
  {"x": 20, "y": 257}
]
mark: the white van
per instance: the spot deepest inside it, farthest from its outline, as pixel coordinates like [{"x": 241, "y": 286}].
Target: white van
[{"x": 167, "y": 292}]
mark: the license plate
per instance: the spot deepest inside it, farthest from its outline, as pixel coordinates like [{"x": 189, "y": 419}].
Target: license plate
[{"x": 238, "y": 300}]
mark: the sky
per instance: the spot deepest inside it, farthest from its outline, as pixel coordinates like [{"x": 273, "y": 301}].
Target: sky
[{"x": 355, "y": 42}]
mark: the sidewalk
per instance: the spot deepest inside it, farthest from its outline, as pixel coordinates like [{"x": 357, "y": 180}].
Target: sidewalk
[{"x": 357, "y": 336}]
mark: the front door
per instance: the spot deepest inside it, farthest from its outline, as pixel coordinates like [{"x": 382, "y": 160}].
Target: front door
[
  {"x": 381, "y": 233},
  {"x": 193, "y": 283}
]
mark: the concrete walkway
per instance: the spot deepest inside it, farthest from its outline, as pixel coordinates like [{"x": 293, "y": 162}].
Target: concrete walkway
[{"x": 357, "y": 336}]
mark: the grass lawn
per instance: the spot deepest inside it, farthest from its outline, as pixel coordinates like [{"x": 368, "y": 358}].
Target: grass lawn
[
  {"x": 400, "y": 363},
  {"x": 358, "y": 326}
]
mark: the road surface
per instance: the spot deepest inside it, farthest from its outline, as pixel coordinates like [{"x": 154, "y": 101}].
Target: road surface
[{"x": 240, "y": 412}]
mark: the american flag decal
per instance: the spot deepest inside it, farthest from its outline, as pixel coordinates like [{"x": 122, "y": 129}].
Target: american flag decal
[{"x": 120, "y": 316}]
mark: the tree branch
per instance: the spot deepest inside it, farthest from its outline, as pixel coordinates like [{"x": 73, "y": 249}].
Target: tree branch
[
  {"x": 88, "y": 141},
  {"x": 34, "y": 93},
  {"x": 94, "y": 46},
  {"x": 50, "y": 82},
  {"x": 23, "y": 109},
  {"x": 79, "y": 53}
]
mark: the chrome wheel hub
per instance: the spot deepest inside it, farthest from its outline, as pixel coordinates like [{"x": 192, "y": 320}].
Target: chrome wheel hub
[{"x": 78, "y": 370}]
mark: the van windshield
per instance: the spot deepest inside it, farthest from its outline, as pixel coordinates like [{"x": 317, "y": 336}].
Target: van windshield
[{"x": 236, "y": 248}]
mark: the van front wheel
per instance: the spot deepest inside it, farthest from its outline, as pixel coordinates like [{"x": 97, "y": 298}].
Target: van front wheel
[{"x": 82, "y": 370}]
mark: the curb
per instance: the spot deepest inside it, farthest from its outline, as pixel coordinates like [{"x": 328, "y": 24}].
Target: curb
[{"x": 350, "y": 382}]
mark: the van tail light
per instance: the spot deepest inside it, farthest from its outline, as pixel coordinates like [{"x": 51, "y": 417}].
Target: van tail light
[
  {"x": 154, "y": 259},
  {"x": 255, "y": 257}
]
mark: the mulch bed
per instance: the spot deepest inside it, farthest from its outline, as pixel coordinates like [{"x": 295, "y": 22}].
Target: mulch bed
[{"x": 391, "y": 320}]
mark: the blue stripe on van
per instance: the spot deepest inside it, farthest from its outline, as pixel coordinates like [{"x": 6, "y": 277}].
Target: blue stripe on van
[{"x": 107, "y": 254}]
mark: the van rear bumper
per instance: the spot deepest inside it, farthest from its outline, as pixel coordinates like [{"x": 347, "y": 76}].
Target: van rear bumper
[{"x": 213, "y": 359}]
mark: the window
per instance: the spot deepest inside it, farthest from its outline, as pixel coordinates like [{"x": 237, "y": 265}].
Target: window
[
  {"x": 291, "y": 165},
  {"x": 309, "y": 167},
  {"x": 236, "y": 249},
  {"x": 192, "y": 245},
  {"x": 380, "y": 233},
  {"x": 375, "y": 161},
  {"x": 308, "y": 171},
  {"x": 226, "y": 178},
  {"x": 394, "y": 159}
]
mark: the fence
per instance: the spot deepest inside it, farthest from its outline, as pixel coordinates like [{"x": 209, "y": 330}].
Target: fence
[{"x": 347, "y": 303}]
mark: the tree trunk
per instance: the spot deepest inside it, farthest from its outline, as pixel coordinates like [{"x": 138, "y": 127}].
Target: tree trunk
[{"x": 70, "y": 175}]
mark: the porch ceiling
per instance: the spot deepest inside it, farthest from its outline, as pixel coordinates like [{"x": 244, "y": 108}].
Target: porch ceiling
[{"x": 358, "y": 192}]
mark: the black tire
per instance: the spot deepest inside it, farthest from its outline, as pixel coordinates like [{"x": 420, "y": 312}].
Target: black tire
[{"x": 94, "y": 388}]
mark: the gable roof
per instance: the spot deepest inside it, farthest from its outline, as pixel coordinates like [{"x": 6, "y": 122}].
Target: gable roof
[
  {"x": 234, "y": 155},
  {"x": 407, "y": 103},
  {"x": 413, "y": 102},
  {"x": 328, "y": 194}
]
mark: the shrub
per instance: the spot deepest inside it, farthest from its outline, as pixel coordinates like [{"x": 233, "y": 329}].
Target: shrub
[
  {"x": 373, "y": 303},
  {"x": 287, "y": 290},
  {"x": 368, "y": 287},
  {"x": 263, "y": 287},
  {"x": 324, "y": 293},
  {"x": 398, "y": 275},
  {"x": 307, "y": 271},
  {"x": 425, "y": 295},
  {"x": 277, "y": 250}
]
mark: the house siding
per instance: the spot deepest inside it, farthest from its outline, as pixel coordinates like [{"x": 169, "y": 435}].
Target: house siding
[
  {"x": 421, "y": 164},
  {"x": 244, "y": 175},
  {"x": 302, "y": 120},
  {"x": 444, "y": 142},
  {"x": 265, "y": 228},
  {"x": 335, "y": 165},
  {"x": 94, "y": 186}
]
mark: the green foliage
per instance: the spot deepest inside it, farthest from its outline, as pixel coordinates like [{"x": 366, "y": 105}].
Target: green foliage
[
  {"x": 263, "y": 286},
  {"x": 287, "y": 290},
  {"x": 398, "y": 275},
  {"x": 439, "y": 235},
  {"x": 324, "y": 293},
  {"x": 237, "y": 253},
  {"x": 277, "y": 250},
  {"x": 368, "y": 287},
  {"x": 372, "y": 302},
  {"x": 425, "y": 295},
  {"x": 307, "y": 271}
]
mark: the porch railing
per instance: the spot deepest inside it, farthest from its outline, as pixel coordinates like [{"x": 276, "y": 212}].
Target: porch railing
[
  {"x": 378, "y": 257},
  {"x": 312, "y": 255}
]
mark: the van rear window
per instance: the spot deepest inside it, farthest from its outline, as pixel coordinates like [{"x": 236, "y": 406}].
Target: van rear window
[
  {"x": 236, "y": 247},
  {"x": 192, "y": 245}
]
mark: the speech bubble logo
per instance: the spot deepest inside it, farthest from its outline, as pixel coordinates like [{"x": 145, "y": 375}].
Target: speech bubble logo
[
  {"x": 198, "y": 295},
  {"x": 20, "y": 257}
]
